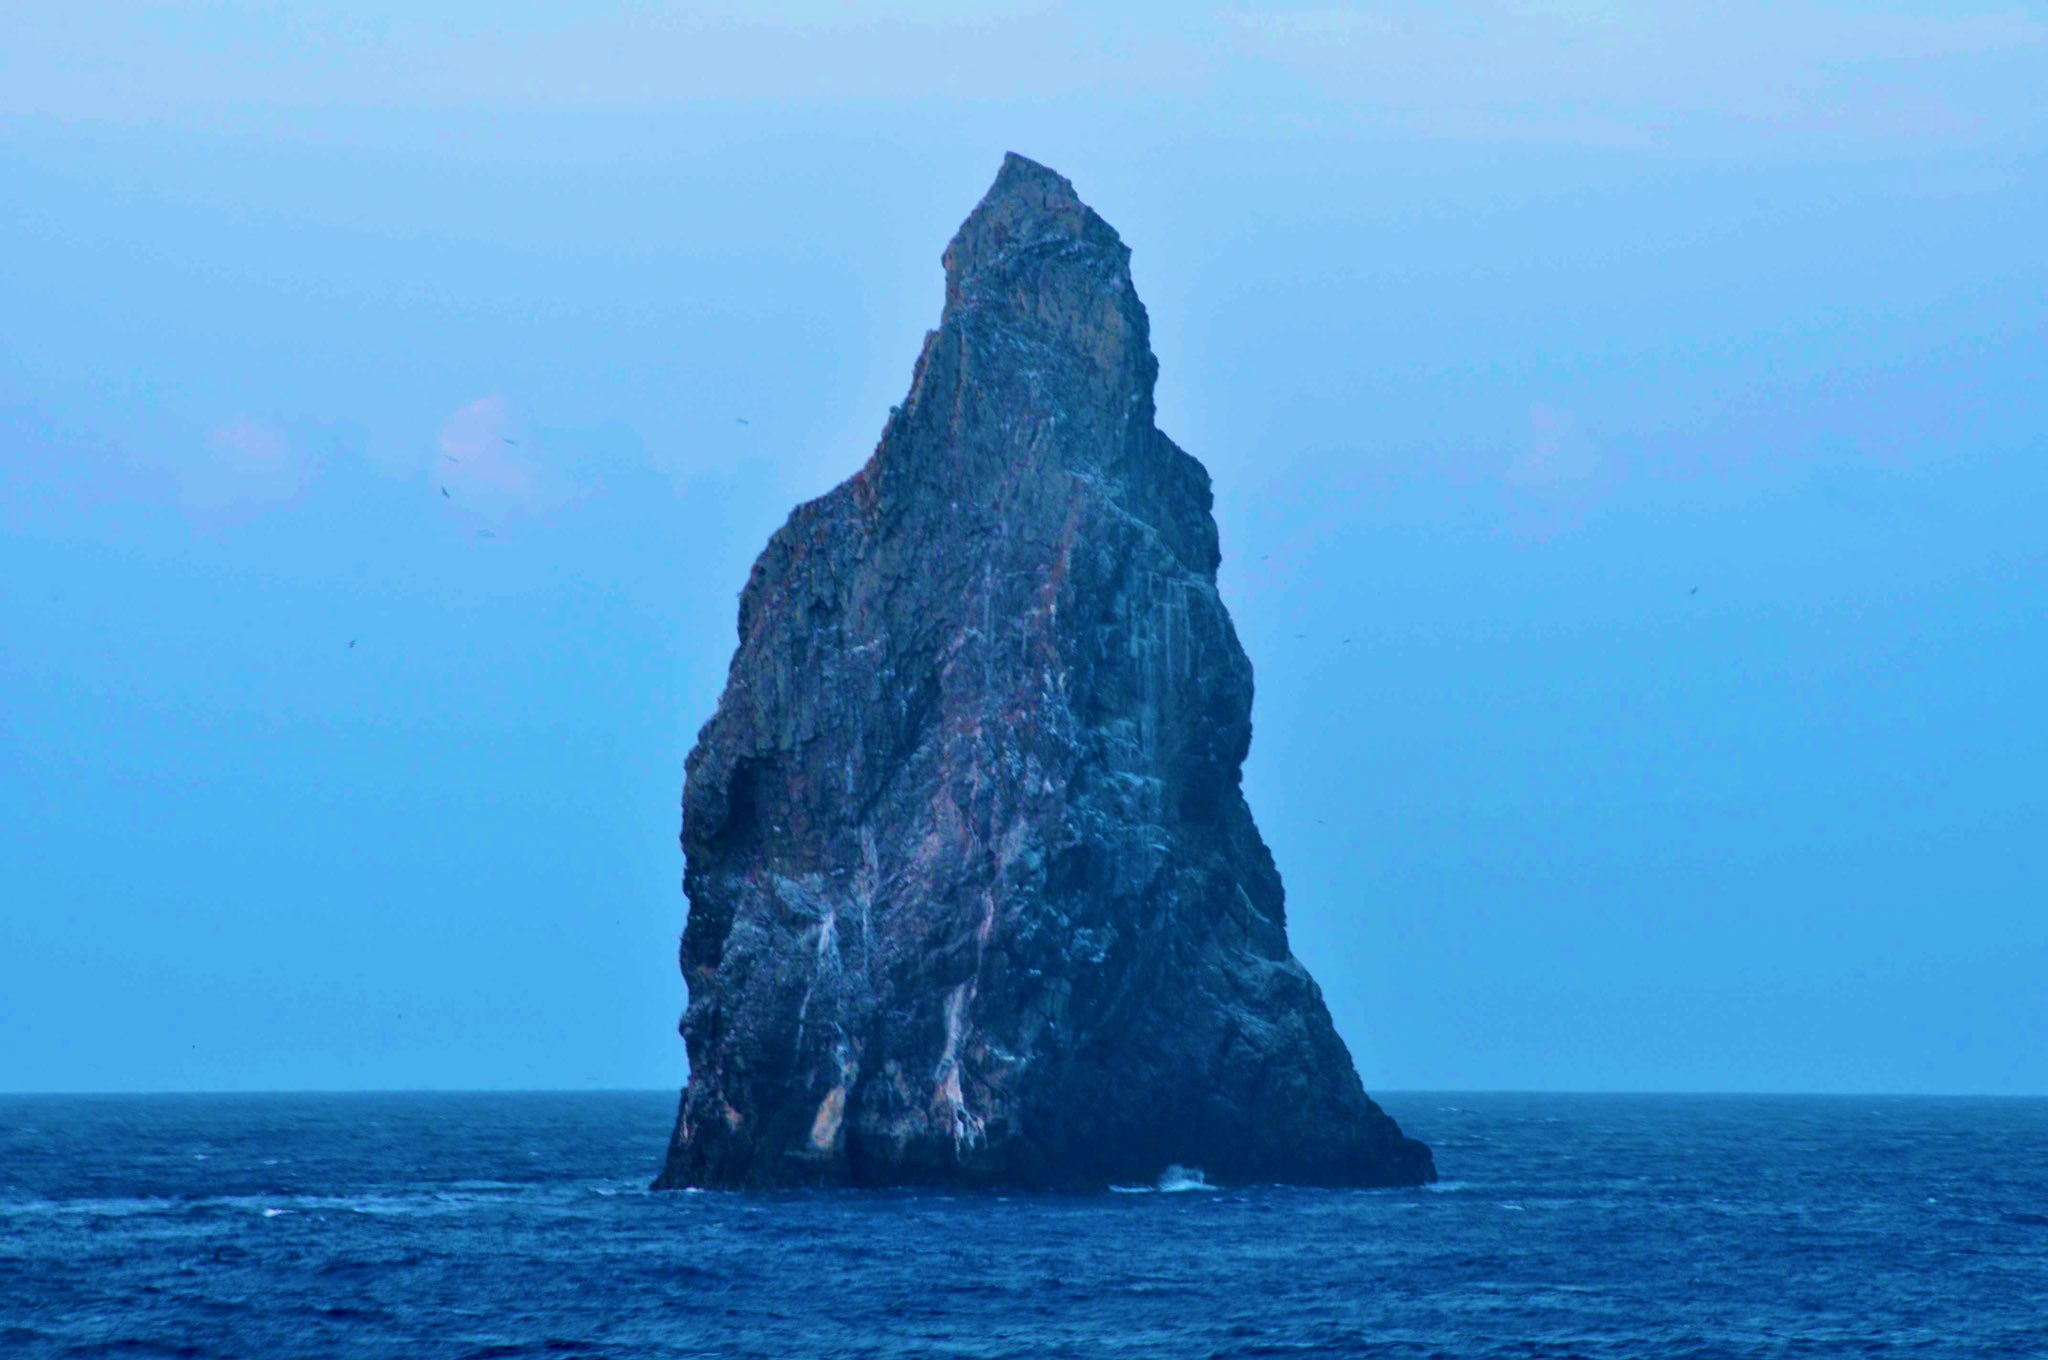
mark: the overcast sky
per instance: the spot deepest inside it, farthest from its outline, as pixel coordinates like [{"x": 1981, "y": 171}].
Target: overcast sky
[{"x": 1502, "y": 328}]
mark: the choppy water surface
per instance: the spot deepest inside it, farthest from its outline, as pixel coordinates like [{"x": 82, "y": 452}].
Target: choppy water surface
[{"x": 423, "y": 1226}]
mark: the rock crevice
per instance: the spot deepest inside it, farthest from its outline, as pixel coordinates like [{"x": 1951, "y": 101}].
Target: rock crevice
[{"x": 975, "y": 896}]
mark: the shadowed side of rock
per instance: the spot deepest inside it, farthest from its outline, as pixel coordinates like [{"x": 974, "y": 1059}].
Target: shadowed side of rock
[{"x": 975, "y": 897}]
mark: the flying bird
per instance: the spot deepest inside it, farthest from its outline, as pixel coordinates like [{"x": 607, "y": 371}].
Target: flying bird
[
  {"x": 351, "y": 644},
  {"x": 445, "y": 495},
  {"x": 513, "y": 442},
  {"x": 485, "y": 533},
  {"x": 1694, "y": 591},
  {"x": 743, "y": 420},
  {"x": 451, "y": 457}
]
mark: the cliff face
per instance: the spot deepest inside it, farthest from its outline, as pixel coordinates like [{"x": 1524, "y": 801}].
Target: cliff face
[{"x": 974, "y": 894}]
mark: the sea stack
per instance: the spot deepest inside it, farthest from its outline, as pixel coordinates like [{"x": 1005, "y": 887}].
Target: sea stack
[{"x": 975, "y": 897}]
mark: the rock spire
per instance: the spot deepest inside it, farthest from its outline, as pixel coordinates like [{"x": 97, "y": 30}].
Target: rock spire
[{"x": 974, "y": 894}]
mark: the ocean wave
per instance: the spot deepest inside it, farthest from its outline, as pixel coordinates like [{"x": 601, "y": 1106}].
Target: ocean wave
[{"x": 404, "y": 1202}]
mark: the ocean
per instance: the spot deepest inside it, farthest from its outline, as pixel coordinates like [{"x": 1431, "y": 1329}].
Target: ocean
[{"x": 420, "y": 1226}]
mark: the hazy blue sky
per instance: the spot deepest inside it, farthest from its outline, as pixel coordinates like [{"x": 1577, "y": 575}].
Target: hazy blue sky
[{"x": 1501, "y": 327}]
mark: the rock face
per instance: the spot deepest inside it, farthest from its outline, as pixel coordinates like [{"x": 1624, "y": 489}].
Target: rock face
[{"x": 975, "y": 897}]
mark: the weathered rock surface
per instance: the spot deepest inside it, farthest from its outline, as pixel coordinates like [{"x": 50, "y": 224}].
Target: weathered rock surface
[{"x": 975, "y": 897}]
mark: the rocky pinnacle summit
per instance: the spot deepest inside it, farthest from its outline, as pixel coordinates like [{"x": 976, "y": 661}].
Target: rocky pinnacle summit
[{"x": 975, "y": 897}]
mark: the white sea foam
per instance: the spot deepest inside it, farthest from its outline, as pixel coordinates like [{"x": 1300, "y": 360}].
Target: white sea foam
[
  {"x": 1177, "y": 1178},
  {"x": 105, "y": 1208},
  {"x": 266, "y": 1205}
]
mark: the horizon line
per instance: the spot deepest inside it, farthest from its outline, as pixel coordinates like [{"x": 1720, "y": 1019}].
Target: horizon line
[{"x": 45, "y": 1094}]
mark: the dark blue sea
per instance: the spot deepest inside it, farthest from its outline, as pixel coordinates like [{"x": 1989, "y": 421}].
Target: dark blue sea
[{"x": 423, "y": 1226}]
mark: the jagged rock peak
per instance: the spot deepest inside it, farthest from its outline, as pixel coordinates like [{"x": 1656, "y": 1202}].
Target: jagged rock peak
[
  {"x": 1029, "y": 209},
  {"x": 975, "y": 896}
]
